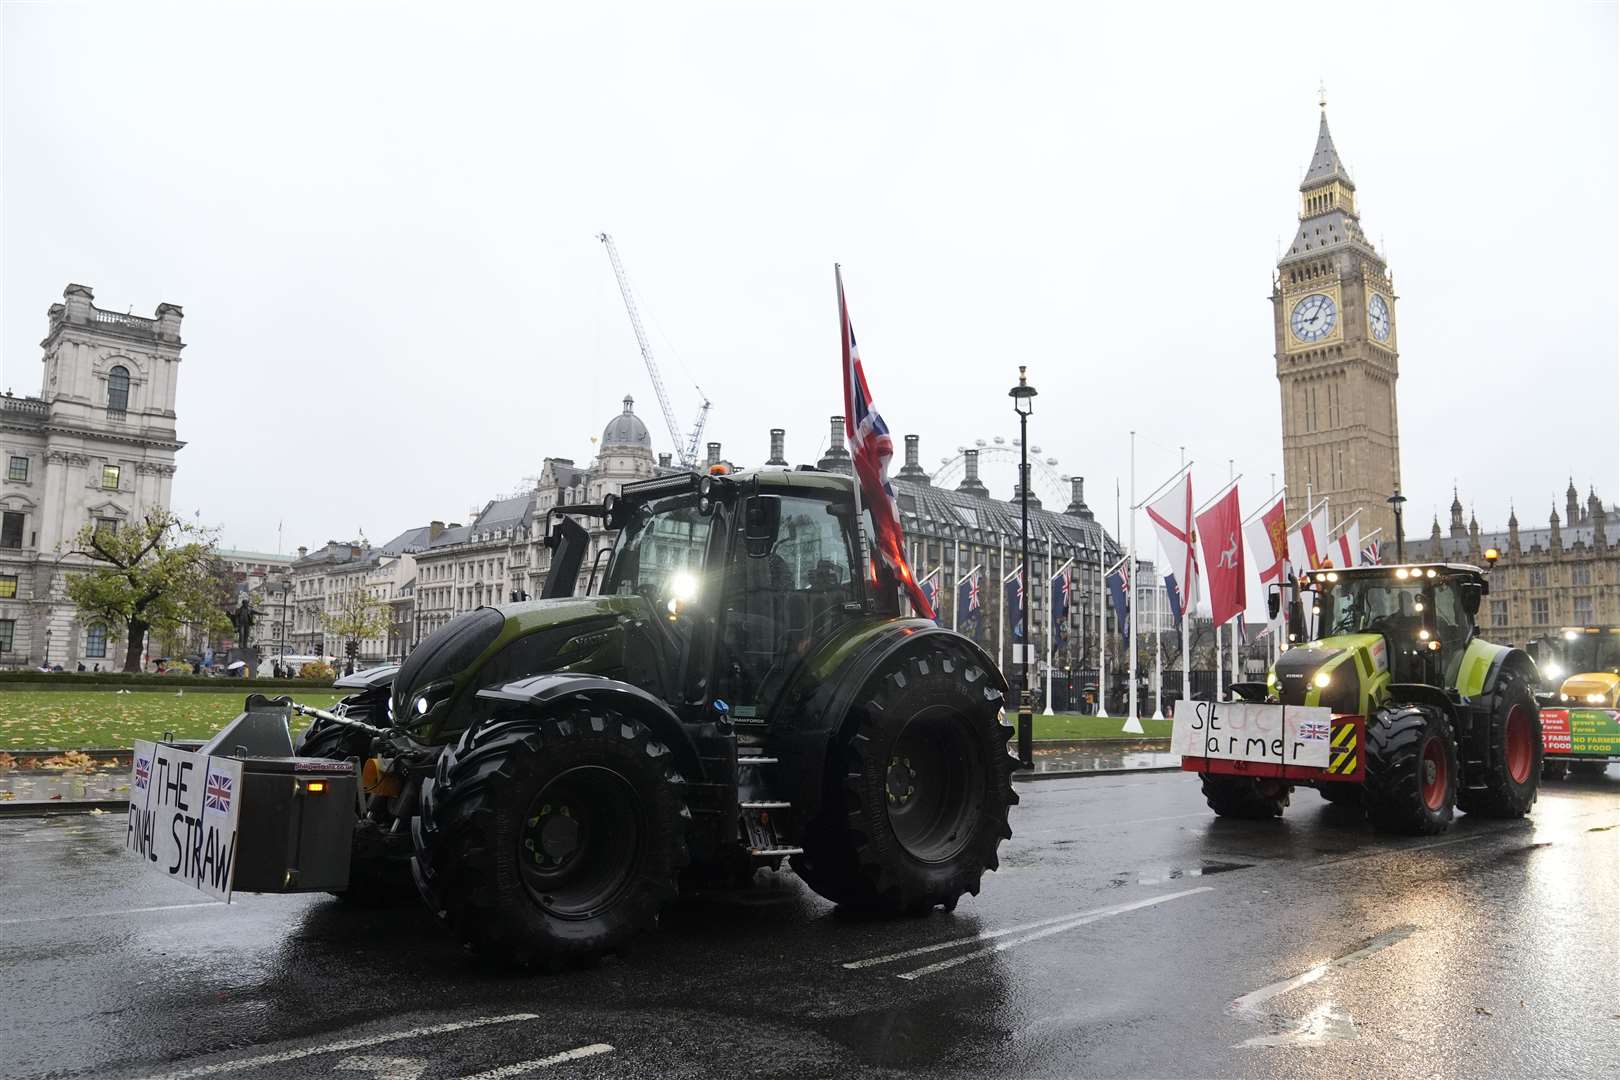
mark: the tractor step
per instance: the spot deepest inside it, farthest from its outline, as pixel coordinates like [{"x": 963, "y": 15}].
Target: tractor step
[
  {"x": 742, "y": 761},
  {"x": 768, "y": 852},
  {"x": 765, "y": 805},
  {"x": 766, "y": 828}
]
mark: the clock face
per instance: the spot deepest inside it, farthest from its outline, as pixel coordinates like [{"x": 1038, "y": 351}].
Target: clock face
[
  {"x": 1378, "y": 317},
  {"x": 1314, "y": 317}
]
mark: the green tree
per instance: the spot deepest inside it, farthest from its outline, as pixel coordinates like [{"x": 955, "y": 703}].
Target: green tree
[
  {"x": 357, "y": 617},
  {"x": 153, "y": 575}
]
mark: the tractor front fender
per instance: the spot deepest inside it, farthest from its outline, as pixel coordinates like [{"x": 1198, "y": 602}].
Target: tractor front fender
[
  {"x": 370, "y": 679},
  {"x": 546, "y": 692},
  {"x": 823, "y": 713}
]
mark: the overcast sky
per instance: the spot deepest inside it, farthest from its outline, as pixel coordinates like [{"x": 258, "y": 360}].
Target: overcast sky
[{"x": 380, "y": 221}]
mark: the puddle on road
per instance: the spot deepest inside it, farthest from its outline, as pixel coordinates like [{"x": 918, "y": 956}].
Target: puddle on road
[
  {"x": 1158, "y": 875},
  {"x": 1325, "y": 1023}
]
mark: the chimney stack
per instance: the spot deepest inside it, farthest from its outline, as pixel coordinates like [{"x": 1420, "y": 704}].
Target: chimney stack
[
  {"x": 663, "y": 461},
  {"x": 1017, "y": 500},
  {"x": 913, "y": 470},
  {"x": 837, "y": 457},
  {"x": 971, "y": 484},
  {"x": 1077, "y": 499},
  {"x": 714, "y": 453},
  {"x": 435, "y": 530},
  {"x": 302, "y": 551},
  {"x": 778, "y": 438}
]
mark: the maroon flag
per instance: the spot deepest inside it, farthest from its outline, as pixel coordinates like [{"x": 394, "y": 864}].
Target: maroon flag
[{"x": 1220, "y": 534}]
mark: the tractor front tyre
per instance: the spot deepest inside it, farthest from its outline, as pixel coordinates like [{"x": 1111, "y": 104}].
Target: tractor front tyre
[
  {"x": 1411, "y": 783},
  {"x": 374, "y": 880},
  {"x": 1341, "y": 793},
  {"x": 551, "y": 839},
  {"x": 1513, "y": 755},
  {"x": 1244, "y": 797},
  {"x": 917, "y": 791}
]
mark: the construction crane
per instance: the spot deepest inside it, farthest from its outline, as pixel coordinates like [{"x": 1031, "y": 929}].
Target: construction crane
[{"x": 685, "y": 448}]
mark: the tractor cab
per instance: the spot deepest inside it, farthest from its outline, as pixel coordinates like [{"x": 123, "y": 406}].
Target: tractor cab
[
  {"x": 1580, "y": 666},
  {"x": 1423, "y": 614}
]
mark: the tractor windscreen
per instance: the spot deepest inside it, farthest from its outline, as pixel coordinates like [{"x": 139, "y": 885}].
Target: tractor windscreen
[
  {"x": 659, "y": 553},
  {"x": 1581, "y": 652},
  {"x": 1374, "y": 605}
]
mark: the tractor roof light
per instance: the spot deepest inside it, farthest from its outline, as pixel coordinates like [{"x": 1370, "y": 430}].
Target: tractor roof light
[
  {"x": 1429, "y": 572},
  {"x": 1403, "y": 573},
  {"x": 1423, "y": 635},
  {"x": 1332, "y": 576},
  {"x": 1491, "y": 555},
  {"x": 1434, "y": 646}
]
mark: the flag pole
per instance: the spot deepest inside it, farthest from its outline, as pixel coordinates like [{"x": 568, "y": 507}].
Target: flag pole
[
  {"x": 1133, "y": 723},
  {"x": 1235, "y": 647},
  {"x": 1102, "y": 628},
  {"x": 1221, "y": 494},
  {"x": 1001, "y": 604},
  {"x": 849, "y": 406},
  {"x": 956, "y": 582},
  {"x": 1051, "y": 623},
  {"x": 1266, "y": 504},
  {"x": 1158, "y": 643}
]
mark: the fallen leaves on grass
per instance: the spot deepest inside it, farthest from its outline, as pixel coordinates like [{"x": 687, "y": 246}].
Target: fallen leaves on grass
[
  {"x": 73, "y": 759},
  {"x": 7, "y": 796},
  {"x": 7, "y": 762}
]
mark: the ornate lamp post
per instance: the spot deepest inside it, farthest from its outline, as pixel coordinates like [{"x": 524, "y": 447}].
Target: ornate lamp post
[
  {"x": 1395, "y": 501},
  {"x": 1023, "y": 396}
]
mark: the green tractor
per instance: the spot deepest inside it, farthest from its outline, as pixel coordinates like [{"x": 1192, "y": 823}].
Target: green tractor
[
  {"x": 1426, "y": 716},
  {"x": 738, "y": 689}
]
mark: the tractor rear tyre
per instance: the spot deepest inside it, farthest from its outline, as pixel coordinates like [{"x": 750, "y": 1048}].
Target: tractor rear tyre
[
  {"x": 374, "y": 881},
  {"x": 1512, "y": 771},
  {"x": 1341, "y": 793},
  {"x": 916, "y": 792},
  {"x": 551, "y": 839},
  {"x": 1245, "y": 797},
  {"x": 1411, "y": 783}
]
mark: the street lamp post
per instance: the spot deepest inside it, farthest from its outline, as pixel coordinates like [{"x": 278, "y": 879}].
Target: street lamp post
[
  {"x": 1023, "y": 396},
  {"x": 1395, "y": 501}
]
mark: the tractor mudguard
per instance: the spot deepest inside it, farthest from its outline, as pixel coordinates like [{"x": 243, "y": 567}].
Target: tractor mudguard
[
  {"x": 821, "y": 706},
  {"x": 1423, "y": 694},
  {"x": 1485, "y": 669},
  {"x": 544, "y": 691},
  {"x": 1249, "y": 691},
  {"x": 370, "y": 679}
]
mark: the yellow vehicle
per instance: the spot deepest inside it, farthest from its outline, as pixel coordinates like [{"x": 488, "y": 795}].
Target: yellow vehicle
[{"x": 1580, "y": 699}]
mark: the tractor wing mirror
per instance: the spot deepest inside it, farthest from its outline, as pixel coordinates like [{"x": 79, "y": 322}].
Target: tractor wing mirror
[
  {"x": 1273, "y": 602},
  {"x": 761, "y": 522},
  {"x": 1471, "y": 593},
  {"x": 567, "y": 541}
]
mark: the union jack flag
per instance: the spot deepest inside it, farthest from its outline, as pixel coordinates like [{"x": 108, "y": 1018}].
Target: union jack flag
[
  {"x": 1370, "y": 554},
  {"x": 218, "y": 792},
  {"x": 143, "y": 772},
  {"x": 1314, "y": 730},
  {"x": 871, "y": 449}
]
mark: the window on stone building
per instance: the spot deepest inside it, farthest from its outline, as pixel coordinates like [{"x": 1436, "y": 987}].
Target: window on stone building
[
  {"x": 95, "y": 642},
  {"x": 8, "y": 634},
  {"x": 1538, "y": 611},
  {"x": 18, "y": 469},
  {"x": 1580, "y": 574},
  {"x": 8, "y": 586},
  {"x": 118, "y": 389},
  {"x": 109, "y": 477},
  {"x": 106, "y": 525},
  {"x": 1538, "y": 577},
  {"x": 11, "y": 529},
  {"x": 1583, "y": 609},
  {"x": 1499, "y": 614}
]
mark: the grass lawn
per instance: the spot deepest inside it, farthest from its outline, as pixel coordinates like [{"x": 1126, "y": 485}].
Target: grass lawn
[
  {"x": 1080, "y": 726},
  {"x": 75, "y": 720}
]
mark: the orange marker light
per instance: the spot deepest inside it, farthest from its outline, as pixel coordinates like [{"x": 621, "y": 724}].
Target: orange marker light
[{"x": 315, "y": 787}]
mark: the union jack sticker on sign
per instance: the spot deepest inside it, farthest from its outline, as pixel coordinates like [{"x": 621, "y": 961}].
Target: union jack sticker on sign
[
  {"x": 143, "y": 772},
  {"x": 218, "y": 792},
  {"x": 1314, "y": 730}
]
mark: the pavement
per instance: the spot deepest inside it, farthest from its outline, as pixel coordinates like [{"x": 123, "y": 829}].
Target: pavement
[{"x": 1128, "y": 933}]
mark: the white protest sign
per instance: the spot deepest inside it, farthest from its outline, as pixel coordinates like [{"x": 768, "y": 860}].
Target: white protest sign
[
  {"x": 183, "y": 811},
  {"x": 1251, "y": 731}
]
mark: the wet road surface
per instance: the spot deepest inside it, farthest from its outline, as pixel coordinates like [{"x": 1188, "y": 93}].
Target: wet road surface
[{"x": 1128, "y": 933}]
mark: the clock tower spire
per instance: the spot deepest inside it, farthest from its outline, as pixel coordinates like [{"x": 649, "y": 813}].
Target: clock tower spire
[{"x": 1333, "y": 317}]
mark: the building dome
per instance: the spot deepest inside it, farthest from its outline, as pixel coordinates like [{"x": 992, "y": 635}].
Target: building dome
[{"x": 626, "y": 429}]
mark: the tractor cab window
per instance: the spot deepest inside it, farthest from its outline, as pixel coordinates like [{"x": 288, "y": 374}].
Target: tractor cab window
[
  {"x": 659, "y": 554},
  {"x": 793, "y": 584},
  {"x": 1453, "y": 626},
  {"x": 1393, "y": 607}
]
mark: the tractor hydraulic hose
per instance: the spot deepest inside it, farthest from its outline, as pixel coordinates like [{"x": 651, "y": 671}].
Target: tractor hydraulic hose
[{"x": 333, "y": 718}]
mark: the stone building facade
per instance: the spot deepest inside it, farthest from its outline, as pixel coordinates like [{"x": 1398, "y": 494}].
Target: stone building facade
[
  {"x": 1333, "y": 315},
  {"x": 97, "y": 446},
  {"x": 1564, "y": 574}
]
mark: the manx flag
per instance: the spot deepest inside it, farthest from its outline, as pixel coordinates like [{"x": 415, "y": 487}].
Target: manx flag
[
  {"x": 1061, "y": 585},
  {"x": 1122, "y": 601},
  {"x": 1220, "y": 533},
  {"x": 871, "y": 449},
  {"x": 1268, "y": 542},
  {"x": 1013, "y": 591},
  {"x": 1172, "y": 517},
  {"x": 967, "y": 604}
]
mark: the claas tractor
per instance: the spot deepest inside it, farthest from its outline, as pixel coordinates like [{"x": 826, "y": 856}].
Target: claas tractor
[
  {"x": 1416, "y": 713},
  {"x": 736, "y": 689},
  {"x": 1580, "y": 700}
]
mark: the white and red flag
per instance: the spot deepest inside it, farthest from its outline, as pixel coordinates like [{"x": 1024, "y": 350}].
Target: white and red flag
[
  {"x": 1268, "y": 542},
  {"x": 871, "y": 449},
  {"x": 1220, "y": 534},
  {"x": 1308, "y": 547},
  {"x": 1172, "y": 517},
  {"x": 1347, "y": 551}
]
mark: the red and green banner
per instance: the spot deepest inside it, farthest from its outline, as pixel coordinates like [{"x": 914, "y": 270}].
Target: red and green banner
[{"x": 1581, "y": 731}]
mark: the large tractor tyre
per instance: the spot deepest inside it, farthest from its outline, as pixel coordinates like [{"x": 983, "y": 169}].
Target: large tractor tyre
[
  {"x": 917, "y": 792},
  {"x": 1341, "y": 793},
  {"x": 551, "y": 839},
  {"x": 374, "y": 881},
  {"x": 1512, "y": 771},
  {"x": 1245, "y": 797},
  {"x": 1411, "y": 783}
]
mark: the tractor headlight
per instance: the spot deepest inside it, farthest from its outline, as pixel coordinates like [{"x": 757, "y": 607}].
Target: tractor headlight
[
  {"x": 422, "y": 705},
  {"x": 1594, "y": 699},
  {"x": 1554, "y": 670},
  {"x": 1423, "y": 635},
  {"x": 1322, "y": 680},
  {"x": 1563, "y": 697}
]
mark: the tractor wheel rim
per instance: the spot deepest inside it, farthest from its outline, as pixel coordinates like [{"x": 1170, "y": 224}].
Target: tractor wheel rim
[
  {"x": 579, "y": 843},
  {"x": 1434, "y": 774},
  {"x": 934, "y": 784},
  {"x": 1518, "y": 750}
]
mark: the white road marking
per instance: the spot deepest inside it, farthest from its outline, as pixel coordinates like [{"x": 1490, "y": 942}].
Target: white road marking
[
  {"x": 982, "y": 935},
  {"x": 1259, "y": 997},
  {"x": 1325, "y": 1023},
  {"x": 1081, "y": 920},
  {"x": 521, "y": 1067},
  {"x": 107, "y": 914},
  {"x": 385, "y": 1068},
  {"x": 362, "y": 1043}
]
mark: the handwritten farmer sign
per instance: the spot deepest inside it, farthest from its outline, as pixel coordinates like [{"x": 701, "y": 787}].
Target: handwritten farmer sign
[
  {"x": 1246, "y": 731},
  {"x": 183, "y": 811}
]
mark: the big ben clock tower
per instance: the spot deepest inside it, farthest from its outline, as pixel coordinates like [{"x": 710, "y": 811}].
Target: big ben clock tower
[{"x": 1333, "y": 311}]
